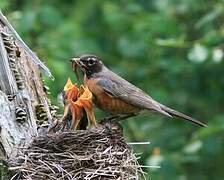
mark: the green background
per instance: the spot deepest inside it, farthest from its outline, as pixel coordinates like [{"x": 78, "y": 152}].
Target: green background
[{"x": 173, "y": 49}]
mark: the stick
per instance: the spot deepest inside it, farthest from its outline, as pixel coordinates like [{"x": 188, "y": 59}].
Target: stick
[{"x": 139, "y": 143}]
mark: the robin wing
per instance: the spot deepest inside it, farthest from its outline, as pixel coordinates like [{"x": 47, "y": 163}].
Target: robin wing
[{"x": 122, "y": 89}]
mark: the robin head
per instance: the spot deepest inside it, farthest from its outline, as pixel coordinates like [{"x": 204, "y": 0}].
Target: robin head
[{"x": 89, "y": 64}]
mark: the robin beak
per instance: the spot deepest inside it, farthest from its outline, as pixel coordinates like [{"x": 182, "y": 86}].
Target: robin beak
[{"x": 76, "y": 61}]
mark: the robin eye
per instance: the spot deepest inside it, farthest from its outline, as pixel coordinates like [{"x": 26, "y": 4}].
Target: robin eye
[{"x": 91, "y": 62}]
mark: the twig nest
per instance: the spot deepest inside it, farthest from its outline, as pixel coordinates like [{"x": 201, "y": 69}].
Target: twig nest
[{"x": 98, "y": 153}]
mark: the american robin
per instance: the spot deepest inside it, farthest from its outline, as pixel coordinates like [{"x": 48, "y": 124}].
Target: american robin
[{"x": 116, "y": 95}]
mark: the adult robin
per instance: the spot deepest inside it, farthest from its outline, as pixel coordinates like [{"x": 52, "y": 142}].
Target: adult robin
[{"x": 116, "y": 95}]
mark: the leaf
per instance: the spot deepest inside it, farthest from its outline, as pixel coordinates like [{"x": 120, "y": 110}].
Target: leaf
[
  {"x": 209, "y": 17},
  {"x": 198, "y": 53},
  {"x": 193, "y": 147}
]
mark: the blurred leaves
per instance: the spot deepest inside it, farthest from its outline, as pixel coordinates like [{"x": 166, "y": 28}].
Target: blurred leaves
[
  {"x": 198, "y": 53},
  {"x": 171, "y": 49},
  {"x": 193, "y": 147}
]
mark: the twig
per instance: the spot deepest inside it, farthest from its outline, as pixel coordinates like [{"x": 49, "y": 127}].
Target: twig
[{"x": 139, "y": 143}]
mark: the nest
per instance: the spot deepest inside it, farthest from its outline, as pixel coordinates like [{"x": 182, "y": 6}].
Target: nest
[{"x": 99, "y": 153}]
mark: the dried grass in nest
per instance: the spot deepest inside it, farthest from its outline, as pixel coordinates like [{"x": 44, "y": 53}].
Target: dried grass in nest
[{"x": 99, "y": 153}]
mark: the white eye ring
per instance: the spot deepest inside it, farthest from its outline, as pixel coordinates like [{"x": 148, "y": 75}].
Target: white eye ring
[{"x": 91, "y": 61}]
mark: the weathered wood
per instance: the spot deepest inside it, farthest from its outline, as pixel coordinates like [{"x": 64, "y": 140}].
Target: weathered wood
[
  {"x": 21, "y": 91},
  {"x": 30, "y": 53},
  {"x": 7, "y": 83}
]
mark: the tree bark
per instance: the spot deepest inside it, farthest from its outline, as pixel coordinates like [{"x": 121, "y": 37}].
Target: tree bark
[{"x": 23, "y": 100}]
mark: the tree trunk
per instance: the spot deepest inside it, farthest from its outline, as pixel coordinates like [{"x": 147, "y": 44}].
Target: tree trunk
[{"x": 23, "y": 100}]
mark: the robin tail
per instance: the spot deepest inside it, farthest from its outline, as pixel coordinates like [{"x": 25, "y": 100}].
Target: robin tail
[{"x": 181, "y": 115}]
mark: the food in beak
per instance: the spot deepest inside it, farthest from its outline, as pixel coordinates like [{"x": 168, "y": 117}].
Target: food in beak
[{"x": 75, "y": 67}]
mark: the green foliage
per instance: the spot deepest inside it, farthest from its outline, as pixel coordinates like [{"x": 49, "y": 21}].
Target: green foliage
[
  {"x": 5, "y": 173},
  {"x": 171, "y": 49}
]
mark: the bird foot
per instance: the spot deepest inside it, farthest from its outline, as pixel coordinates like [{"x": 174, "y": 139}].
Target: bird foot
[{"x": 118, "y": 117}]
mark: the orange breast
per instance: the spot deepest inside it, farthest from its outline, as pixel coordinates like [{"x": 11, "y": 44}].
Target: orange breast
[
  {"x": 114, "y": 105},
  {"x": 107, "y": 102}
]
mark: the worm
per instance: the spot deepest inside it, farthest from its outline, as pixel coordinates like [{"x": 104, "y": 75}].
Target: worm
[{"x": 75, "y": 69}]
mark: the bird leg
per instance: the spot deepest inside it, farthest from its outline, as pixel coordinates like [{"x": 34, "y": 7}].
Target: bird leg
[
  {"x": 126, "y": 116},
  {"x": 118, "y": 117},
  {"x": 75, "y": 123}
]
